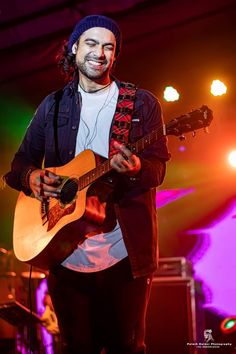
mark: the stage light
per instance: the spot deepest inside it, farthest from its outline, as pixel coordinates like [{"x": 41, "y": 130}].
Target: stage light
[
  {"x": 182, "y": 148},
  {"x": 232, "y": 158},
  {"x": 218, "y": 88},
  {"x": 228, "y": 325},
  {"x": 171, "y": 94}
]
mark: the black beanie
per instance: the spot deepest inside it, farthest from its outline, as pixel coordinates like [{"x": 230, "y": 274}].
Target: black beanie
[{"x": 95, "y": 21}]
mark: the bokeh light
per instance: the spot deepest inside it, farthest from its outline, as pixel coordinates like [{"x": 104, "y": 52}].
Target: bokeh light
[
  {"x": 171, "y": 94},
  {"x": 232, "y": 158},
  {"x": 218, "y": 88}
]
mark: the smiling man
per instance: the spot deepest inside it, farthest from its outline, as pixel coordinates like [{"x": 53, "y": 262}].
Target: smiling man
[
  {"x": 100, "y": 288},
  {"x": 95, "y": 55}
]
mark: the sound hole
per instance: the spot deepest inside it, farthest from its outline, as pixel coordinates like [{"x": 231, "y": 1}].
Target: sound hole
[{"x": 69, "y": 190}]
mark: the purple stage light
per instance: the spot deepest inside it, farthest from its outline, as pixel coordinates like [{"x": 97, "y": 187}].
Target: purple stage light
[{"x": 215, "y": 261}]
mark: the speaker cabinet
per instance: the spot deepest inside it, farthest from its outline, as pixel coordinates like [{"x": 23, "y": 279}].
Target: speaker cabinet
[
  {"x": 171, "y": 320},
  {"x": 7, "y": 293}
]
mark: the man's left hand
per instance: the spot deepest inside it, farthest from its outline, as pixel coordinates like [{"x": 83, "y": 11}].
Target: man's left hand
[{"x": 124, "y": 161}]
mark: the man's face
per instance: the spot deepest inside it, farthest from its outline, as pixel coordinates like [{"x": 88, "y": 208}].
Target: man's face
[{"x": 95, "y": 53}]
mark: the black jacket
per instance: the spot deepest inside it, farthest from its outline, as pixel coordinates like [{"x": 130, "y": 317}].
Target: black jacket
[{"x": 135, "y": 197}]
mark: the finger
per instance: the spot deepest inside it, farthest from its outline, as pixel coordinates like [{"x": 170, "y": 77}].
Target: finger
[
  {"x": 122, "y": 160},
  {"x": 49, "y": 191},
  {"x": 42, "y": 196},
  {"x": 51, "y": 178},
  {"x": 127, "y": 162},
  {"x": 116, "y": 164},
  {"x": 129, "y": 157},
  {"x": 133, "y": 160},
  {"x": 124, "y": 150},
  {"x": 120, "y": 169},
  {"x": 121, "y": 166},
  {"x": 45, "y": 190}
]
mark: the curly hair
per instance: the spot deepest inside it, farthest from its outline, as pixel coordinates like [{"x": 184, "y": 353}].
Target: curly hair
[{"x": 66, "y": 62}]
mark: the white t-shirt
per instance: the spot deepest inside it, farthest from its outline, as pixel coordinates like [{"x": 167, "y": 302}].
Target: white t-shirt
[{"x": 103, "y": 250}]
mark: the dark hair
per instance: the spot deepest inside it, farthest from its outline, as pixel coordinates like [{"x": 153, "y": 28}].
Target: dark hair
[{"x": 66, "y": 62}]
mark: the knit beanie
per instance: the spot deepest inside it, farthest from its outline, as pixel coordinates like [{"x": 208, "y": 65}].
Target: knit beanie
[{"x": 95, "y": 21}]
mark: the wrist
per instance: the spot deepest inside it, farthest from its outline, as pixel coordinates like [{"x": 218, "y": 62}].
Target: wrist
[{"x": 25, "y": 177}]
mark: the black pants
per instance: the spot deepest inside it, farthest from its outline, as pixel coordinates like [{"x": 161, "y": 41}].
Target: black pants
[{"x": 100, "y": 310}]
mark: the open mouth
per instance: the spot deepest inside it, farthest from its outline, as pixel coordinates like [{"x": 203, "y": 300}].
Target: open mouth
[{"x": 96, "y": 64}]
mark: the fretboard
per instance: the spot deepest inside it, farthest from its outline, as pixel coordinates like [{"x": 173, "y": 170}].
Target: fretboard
[{"x": 136, "y": 148}]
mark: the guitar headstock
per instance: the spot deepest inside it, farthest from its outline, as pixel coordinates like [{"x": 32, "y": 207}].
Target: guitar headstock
[{"x": 197, "y": 119}]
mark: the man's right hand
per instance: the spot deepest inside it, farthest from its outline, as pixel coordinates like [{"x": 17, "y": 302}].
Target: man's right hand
[{"x": 44, "y": 184}]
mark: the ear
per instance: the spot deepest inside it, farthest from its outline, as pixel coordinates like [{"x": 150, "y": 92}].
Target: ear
[{"x": 74, "y": 48}]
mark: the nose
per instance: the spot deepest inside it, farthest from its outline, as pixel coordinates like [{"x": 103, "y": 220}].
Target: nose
[{"x": 99, "y": 51}]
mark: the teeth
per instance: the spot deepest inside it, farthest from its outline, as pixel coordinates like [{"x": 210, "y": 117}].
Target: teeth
[{"x": 94, "y": 62}]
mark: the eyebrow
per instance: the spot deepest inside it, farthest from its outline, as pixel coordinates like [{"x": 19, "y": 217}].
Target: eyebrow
[{"x": 97, "y": 42}]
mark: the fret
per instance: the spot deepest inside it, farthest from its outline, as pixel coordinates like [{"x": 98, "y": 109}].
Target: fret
[
  {"x": 146, "y": 141},
  {"x": 94, "y": 174}
]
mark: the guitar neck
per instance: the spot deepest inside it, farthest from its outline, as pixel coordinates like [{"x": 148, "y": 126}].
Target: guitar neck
[
  {"x": 197, "y": 119},
  {"x": 136, "y": 148},
  {"x": 147, "y": 140}
]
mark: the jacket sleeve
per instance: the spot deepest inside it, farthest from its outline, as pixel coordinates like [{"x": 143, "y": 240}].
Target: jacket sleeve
[
  {"x": 148, "y": 117},
  {"x": 30, "y": 153}
]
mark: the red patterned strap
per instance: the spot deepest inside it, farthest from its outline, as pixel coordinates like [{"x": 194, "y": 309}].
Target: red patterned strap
[{"x": 123, "y": 114}]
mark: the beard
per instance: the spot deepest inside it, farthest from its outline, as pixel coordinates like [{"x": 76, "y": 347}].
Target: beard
[{"x": 92, "y": 73}]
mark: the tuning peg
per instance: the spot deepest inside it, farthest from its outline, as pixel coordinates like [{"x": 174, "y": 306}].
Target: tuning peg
[
  {"x": 206, "y": 130},
  {"x": 182, "y": 137},
  {"x": 194, "y": 133}
]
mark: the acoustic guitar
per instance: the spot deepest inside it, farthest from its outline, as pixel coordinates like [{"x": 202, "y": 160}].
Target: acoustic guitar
[{"x": 45, "y": 233}]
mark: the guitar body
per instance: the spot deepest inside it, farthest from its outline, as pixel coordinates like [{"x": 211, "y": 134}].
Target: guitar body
[{"x": 45, "y": 244}]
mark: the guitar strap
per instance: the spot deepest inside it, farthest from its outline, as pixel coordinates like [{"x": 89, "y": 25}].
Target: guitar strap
[
  {"x": 96, "y": 207},
  {"x": 123, "y": 114}
]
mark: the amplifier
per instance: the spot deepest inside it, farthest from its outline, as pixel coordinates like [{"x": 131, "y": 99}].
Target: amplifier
[
  {"x": 7, "y": 293},
  {"x": 174, "y": 267},
  {"x": 171, "y": 316}
]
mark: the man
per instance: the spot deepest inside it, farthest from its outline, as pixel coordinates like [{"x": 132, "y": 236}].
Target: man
[{"x": 101, "y": 290}]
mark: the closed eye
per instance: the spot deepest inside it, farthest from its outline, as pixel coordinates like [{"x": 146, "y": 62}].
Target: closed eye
[
  {"x": 109, "y": 46},
  {"x": 91, "y": 44}
]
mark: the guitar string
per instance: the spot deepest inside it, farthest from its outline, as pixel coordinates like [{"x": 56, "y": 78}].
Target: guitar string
[{"x": 82, "y": 180}]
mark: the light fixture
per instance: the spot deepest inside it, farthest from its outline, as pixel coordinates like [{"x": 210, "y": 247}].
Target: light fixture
[
  {"x": 218, "y": 88},
  {"x": 171, "y": 94}
]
